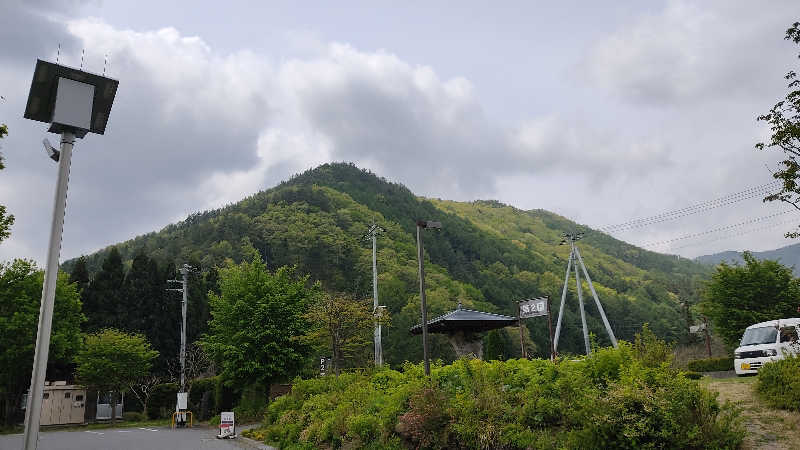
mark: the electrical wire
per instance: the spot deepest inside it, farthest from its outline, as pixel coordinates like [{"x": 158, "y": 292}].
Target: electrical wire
[
  {"x": 742, "y": 233},
  {"x": 729, "y": 199},
  {"x": 715, "y": 230}
]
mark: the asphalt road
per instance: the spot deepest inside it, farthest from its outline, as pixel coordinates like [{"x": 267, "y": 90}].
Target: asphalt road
[{"x": 130, "y": 439}]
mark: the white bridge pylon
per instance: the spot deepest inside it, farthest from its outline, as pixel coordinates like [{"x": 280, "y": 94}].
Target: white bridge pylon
[{"x": 575, "y": 257}]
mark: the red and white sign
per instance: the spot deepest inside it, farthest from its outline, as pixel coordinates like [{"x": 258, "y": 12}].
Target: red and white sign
[{"x": 227, "y": 427}]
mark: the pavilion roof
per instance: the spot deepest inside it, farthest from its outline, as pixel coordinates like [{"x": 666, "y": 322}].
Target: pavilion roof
[{"x": 467, "y": 320}]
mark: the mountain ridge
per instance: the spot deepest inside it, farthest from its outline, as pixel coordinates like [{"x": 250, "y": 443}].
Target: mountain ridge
[{"x": 487, "y": 255}]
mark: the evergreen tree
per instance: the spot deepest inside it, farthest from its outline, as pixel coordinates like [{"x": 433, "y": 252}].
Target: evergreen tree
[
  {"x": 80, "y": 274},
  {"x": 103, "y": 297}
]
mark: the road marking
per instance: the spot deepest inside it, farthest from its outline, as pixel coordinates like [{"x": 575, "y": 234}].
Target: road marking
[
  {"x": 123, "y": 431},
  {"x": 95, "y": 432},
  {"x": 147, "y": 429}
]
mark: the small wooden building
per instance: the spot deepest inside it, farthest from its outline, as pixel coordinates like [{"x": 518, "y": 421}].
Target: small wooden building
[{"x": 63, "y": 404}]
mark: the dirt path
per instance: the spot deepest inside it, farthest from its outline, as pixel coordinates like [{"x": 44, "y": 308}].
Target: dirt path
[{"x": 767, "y": 428}]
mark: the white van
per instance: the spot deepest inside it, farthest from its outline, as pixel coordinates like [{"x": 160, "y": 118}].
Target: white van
[{"x": 764, "y": 342}]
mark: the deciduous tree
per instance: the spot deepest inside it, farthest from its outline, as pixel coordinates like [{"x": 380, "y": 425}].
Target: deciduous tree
[
  {"x": 344, "y": 325},
  {"x": 20, "y": 300},
  {"x": 257, "y": 321},
  {"x": 112, "y": 360},
  {"x": 6, "y": 220},
  {"x": 739, "y": 296},
  {"x": 784, "y": 122}
]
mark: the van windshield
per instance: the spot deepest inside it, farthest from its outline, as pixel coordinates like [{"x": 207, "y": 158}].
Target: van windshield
[{"x": 765, "y": 335}]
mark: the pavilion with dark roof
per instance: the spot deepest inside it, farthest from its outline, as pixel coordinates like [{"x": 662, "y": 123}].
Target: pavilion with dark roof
[{"x": 463, "y": 328}]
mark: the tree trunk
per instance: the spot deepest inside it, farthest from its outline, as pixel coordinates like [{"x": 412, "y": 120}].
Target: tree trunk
[{"x": 113, "y": 407}]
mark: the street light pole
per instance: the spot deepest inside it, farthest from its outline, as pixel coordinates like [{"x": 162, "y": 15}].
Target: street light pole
[
  {"x": 420, "y": 225},
  {"x": 423, "y": 306},
  {"x": 33, "y": 408},
  {"x": 74, "y": 103}
]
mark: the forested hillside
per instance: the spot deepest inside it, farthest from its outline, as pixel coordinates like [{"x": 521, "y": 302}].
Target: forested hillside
[
  {"x": 788, "y": 256},
  {"x": 487, "y": 255}
]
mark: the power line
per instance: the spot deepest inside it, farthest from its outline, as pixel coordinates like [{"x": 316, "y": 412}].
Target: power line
[
  {"x": 714, "y": 230},
  {"x": 742, "y": 233},
  {"x": 693, "y": 209}
]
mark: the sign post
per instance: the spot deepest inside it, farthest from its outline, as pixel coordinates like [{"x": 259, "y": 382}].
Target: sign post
[{"x": 534, "y": 308}]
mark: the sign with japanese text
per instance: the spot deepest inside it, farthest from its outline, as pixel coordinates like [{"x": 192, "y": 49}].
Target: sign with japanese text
[{"x": 532, "y": 308}]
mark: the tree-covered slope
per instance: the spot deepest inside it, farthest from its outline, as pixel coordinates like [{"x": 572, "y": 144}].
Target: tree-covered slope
[{"x": 487, "y": 255}]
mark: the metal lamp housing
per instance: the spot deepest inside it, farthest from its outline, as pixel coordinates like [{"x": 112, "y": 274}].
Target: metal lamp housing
[{"x": 70, "y": 99}]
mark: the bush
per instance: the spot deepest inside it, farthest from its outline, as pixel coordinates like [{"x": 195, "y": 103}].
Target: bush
[
  {"x": 133, "y": 416},
  {"x": 616, "y": 398},
  {"x": 711, "y": 364},
  {"x": 692, "y": 375},
  {"x": 779, "y": 383},
  {"x": 162, "y": 401}
]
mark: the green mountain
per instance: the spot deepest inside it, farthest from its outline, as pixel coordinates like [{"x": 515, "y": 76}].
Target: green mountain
[
  {"x": 487, "y": 256},
  {"x": 788, "y": 256}
]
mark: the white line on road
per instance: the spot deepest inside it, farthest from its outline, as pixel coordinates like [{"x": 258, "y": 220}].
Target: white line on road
[
  {"x": 147, "y": 429},
  {"x": 123, "y": 431},
  {"x": 95, "y": 432}
]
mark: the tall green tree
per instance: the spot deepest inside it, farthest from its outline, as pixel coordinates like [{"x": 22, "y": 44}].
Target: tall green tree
[
  {"x": 257, "y": 321},
  {"x": 103, "y": 297},
  {"x": 343, "y": 325},
  {"x": 6, "y": 220},
  {"x": 20, "y": 299},
  {"x": 784, "y": 122},
  {"x": 80, "y": 274},
  {"x": 739, "y": 296},
  {"x": 112, "y": 360}
]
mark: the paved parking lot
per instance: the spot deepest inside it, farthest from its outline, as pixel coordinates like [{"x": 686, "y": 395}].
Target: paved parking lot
[{"x": 129, "y": 439}]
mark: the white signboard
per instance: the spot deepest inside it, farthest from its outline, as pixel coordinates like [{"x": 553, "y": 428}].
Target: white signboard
[
  {"x": 182, "y": 401},
  {"x": 533, "y": 308},
  {"x": 227, "y": 427}
]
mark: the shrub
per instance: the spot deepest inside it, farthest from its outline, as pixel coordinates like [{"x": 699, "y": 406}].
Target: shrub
[
  {"x": 692, "y": 375},
  {"x": 711, "y": 364},
  {"x": 133, "y": 416},
  {"x": 611, "y": 399},
  {"x": 779, "y": 383}
]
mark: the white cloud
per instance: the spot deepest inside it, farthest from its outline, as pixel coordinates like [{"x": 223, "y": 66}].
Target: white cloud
[
  {"x": 692, "y": 52},
  {"x": 194, "y": 127}
]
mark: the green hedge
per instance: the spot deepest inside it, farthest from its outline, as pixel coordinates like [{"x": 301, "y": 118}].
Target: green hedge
[
  {"x": 609, "y": 400},
  {"x": 779, "y": 383},
  {"x": 711, "y": 364}
]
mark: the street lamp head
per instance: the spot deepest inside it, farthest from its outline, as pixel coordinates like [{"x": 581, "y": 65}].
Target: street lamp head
[
  {"x": 70, "y": 99},
  {"x": 429, "y": 224}
]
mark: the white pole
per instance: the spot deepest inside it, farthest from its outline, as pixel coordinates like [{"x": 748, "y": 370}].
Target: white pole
[
  {"x": 563, "y": 299},
  {"x": 33, "y": 410},
  {"x": 377, "y": 336},
  {"x": 596, "y": 300},
  {"x": 580, "y": 302},
  {"x": 184, "y": 272}
]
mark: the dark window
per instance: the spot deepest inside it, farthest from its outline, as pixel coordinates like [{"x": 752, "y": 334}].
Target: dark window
[
  {"x": 788, "y": 334},
  {"x": 67, "y": 394},
  {"x": 79, "y": 398},
  {"x": 46, "y": 395}
]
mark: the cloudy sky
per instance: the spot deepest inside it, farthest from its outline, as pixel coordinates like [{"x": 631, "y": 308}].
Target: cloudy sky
[{"x": 604, "y": 112}]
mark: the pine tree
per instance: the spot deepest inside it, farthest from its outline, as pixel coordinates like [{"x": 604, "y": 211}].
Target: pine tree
[
  {"x": 103, "y": 297},
  {"x": 80, "y": 274}
]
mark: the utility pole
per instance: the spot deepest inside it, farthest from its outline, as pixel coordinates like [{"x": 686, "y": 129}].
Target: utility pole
[
  {"x": 182, "y": 401},
  {"x": 708, "y": 336},
  {"x": 372, "y": 234},
  {"x": 575, "y": 256}
]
